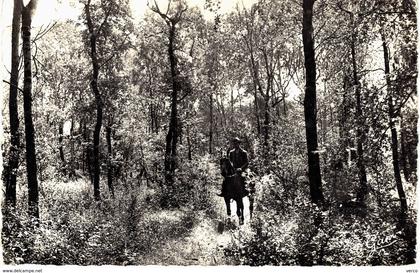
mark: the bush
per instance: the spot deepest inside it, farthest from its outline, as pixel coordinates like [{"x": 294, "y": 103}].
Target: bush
[
  {"x": 194, "y": 184},
  {"x": 309, "y": 236},
  {"x": 76, "y": 229}
]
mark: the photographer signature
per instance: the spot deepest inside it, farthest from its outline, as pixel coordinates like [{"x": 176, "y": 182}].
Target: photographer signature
[{"x": 376, "y": 244}]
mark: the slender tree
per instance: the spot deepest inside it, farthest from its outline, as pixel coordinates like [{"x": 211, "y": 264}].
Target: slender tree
[
  {"x": 11, "y": 169},
  {"x": 102, "y": 18},
  {"x": 267, "y": 53},
  {"x": 173, "y": 130},
  {"x": 93, "y": 33},
  {"x": 310, "y": 103},
  {"x": 361, "y": 193},
  {"x": 109, "y": 163},
  {"x": 212, "y": 61},
  {"x": 31, "y": 164},
  {"x": 394, "y": 136},
  {"x": 60, "y": 147},
  {"x": 361, "y": 168}
]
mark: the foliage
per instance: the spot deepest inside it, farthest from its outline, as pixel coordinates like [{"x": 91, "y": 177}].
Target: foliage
[
  {"x": 240, "y": 75},
  {"x": 309, "y": 236},
  {"x": 88, "y": 232}
]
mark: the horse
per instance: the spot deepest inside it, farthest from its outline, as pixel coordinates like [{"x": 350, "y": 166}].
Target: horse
[{"x": 234, "y": 188}]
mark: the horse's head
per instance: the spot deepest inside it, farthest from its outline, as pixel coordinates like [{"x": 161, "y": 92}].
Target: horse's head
[{"x": 226, "y": 166}]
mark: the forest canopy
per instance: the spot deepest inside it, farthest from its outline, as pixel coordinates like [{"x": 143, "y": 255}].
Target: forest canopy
[{"x": 117, "y": 116}]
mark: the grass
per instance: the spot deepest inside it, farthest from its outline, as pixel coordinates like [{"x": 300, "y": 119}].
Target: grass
[{"x": 129, "y": 229}]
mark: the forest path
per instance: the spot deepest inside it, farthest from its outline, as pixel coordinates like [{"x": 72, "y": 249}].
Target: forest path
[{"x": 203, "y": 244}]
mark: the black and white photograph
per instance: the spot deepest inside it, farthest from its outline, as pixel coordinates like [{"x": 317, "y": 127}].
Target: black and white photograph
[{"x": 208, "y": 135}]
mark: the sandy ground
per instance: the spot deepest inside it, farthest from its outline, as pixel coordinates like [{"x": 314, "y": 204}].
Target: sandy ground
[{"x": 204, "y": 245}]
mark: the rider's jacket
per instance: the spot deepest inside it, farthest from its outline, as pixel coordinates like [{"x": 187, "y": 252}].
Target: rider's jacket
[{"x": 239, "y": 158}]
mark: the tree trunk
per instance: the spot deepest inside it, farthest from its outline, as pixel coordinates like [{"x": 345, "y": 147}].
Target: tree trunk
[
  {"x": 88, "y": 155},
  {"x": 257, "y": 112},
  {"x": 266, "y": 121},
  {"x": 394, "y": 137},
  {"x": 110, "y": 169},
  {"x": 322, "y": 114},
  {"x": 156, "y": 118},
  {"x": 321, "y": 124},
  {"x": 284, "y": 105},
  {"x": 152, "y": 118},
  {"x": 98, "y": 101},
  {"x": 96, "y": 135},
  {"x": 403, "y": 160},
  {"x": 189, "y": 144},
  {"x": 84, "y": 151},
  {"x": 231, "y": 106},
  {"x": 153, "y": 126},
  {"x": 60, "y": 147},
  {"x": 361, "y": 192},
  {"x": 172, "y": 136},
  {"x": 72, "y": 164},
  {"x": 211, "y": 125},
  {"x": 310, "y": 104},
  {"x": 267, "y": 97},
  {"x": 257, "y": 87},
  {"x": 12, "y": 167},
  {"x": 31, "y": 165},
  {"x": 345, "y": 144}
]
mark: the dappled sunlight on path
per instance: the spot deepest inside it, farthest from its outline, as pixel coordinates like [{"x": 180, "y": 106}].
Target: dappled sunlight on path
[{"x": 203, "y": 244}]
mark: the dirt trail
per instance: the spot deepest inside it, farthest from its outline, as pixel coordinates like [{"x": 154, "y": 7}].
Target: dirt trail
[
  {"x": 204, "y": 244},
  {"x": 208, "y": 243}
]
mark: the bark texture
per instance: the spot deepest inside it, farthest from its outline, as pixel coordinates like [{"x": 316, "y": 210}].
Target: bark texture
[
  {"x": 11, "y": 169},
  {"x": 31, "y": 164},
  {"x": 310, "y": 104},
  {"x": 98, "y": 101}
]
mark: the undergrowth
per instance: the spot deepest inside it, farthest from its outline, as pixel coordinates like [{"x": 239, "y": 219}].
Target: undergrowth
[
  {"x": 75, "y": 229},
  {"x": 299, "y": 233}
]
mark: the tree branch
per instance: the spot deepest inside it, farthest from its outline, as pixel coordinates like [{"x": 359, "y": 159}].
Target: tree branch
[
  {"x": 42, "y": 32},
  {"x": 277, "y": 102},
  {"x": 18, "y": 88},
  {"x": 107, "y": 13},
  {"x": 167, "y": 8},
  {"x": 114, "y": 52},
  {"x": 404, "y": 101},
  {"x": 89, "y": 19},
  {"x": 156, "y": 9}
]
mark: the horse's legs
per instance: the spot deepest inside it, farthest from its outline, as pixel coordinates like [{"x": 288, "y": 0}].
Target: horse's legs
[
  {"x": 227, "y": 201},
  {"x": 240, "y": 210}
]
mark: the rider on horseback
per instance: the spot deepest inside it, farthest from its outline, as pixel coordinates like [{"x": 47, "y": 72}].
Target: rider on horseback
[{"x": 239, "y": 159}]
